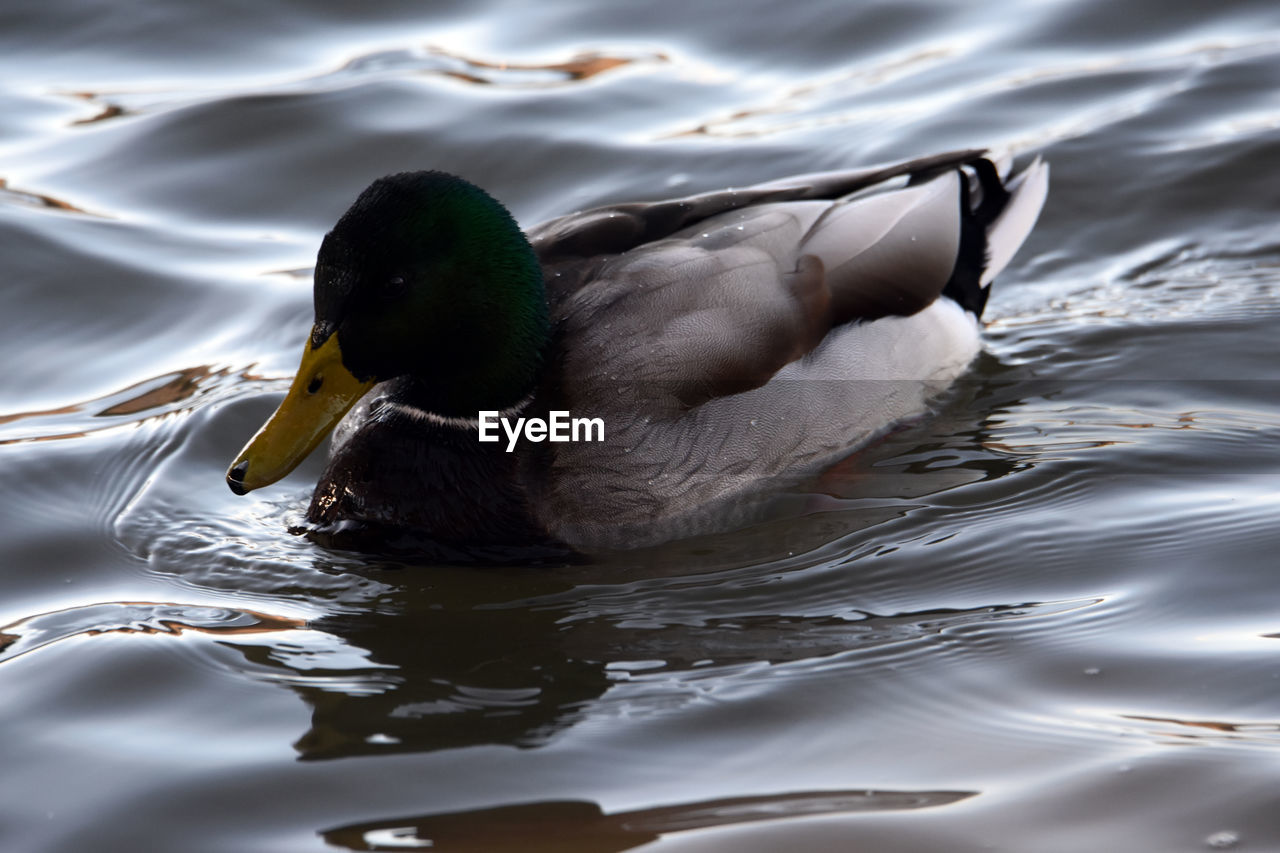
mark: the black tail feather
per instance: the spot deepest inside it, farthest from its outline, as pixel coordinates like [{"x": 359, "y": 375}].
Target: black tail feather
[{"x": 965, "y": 286}]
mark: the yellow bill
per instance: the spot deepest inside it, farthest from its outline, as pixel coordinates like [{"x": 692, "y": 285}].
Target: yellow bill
[{"x": 322, "y": 392}]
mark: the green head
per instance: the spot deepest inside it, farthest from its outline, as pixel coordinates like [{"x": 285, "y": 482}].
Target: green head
[{"x": 426, "y": 275}]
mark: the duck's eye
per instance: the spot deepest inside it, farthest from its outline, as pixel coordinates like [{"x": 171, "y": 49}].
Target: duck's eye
[
  {"x": 394, "y": 287},
  {"x": 314, "y": 385}
]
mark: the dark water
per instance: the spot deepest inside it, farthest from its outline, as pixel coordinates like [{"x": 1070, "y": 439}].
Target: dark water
[{"x": 1045, "y": 619}]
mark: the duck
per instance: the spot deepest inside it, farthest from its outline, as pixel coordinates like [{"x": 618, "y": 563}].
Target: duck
[{"x": 710, "y": 347}]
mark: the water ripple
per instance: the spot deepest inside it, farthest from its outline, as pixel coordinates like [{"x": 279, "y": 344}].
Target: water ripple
[
  {"x": 1053, "y": 591},
  {"x": 133, "y": 617}
]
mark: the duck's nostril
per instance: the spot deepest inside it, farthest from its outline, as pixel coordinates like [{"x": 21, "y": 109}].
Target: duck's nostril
[{"x": 235, "y": 477}]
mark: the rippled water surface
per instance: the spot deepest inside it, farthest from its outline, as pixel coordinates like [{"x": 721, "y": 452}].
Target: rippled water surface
[{"x": 1044, "y": 619}]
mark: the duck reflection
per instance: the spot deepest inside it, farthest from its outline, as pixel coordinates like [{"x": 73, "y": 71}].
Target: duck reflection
[
  {"x": 452, "y": 674},
  {"x": 558, "y": 826},
  {"x": 517, "y": 674}
]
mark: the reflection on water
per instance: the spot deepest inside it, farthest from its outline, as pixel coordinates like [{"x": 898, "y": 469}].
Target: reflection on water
[
  {"x": 1171, "y": 730},
  {"x": 780, "y": 114},
  {"x": 17, "y": 196},
  {"x": 129, "y": 617},
  {"x": 584, "y": 828},
  {"x": 519, "y": 674},
  {"x": 439, "y": 60},
  {"x": 106, "y": 109},
  {"x": 153, "y": 397},
  {"x": 983, "y": 632}
]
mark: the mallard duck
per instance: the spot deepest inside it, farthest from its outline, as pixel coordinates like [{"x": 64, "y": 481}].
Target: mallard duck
[{"x": 718, "y": 341}]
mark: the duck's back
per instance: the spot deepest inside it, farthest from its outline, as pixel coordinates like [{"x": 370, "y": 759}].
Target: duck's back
[{"x": 728, "y": 339}]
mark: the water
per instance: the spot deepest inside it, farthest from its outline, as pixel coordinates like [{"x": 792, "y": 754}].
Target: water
[{"x": 1043, "y": 619}]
